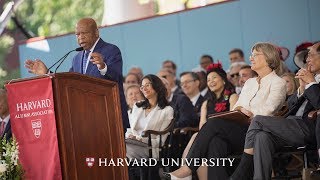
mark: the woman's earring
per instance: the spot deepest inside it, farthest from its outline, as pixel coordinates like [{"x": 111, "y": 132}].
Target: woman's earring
[{"x": 224, "y": 82}]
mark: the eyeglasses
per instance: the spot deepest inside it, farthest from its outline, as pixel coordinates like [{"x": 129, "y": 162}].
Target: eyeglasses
[
  {"x": 147, "y": 85},
  {"x": 253, "y": 55},
  {"x": 234, "y": 75},
  {"x": 186, "y": 82},
  {"x": 312, "y": 55}
]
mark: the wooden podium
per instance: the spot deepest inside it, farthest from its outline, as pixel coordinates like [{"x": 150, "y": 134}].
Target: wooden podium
[{"x": 89, "y": 124}]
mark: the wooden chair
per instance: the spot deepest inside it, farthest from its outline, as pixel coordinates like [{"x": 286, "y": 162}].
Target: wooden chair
[
  {"x": 304, "y": 150},
  {"x": 149, "y": 172}
]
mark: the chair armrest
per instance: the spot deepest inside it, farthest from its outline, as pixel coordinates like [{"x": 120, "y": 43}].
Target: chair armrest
[
  {"x": 314, "y": 114},
  {"x": 188, "y": 129},
  {"x": 165, "y": 131}
]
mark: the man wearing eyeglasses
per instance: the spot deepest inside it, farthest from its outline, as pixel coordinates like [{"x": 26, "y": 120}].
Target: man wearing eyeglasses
[
  {"x": 190, "y": 84},
  {"x": 235, "y": 76}
]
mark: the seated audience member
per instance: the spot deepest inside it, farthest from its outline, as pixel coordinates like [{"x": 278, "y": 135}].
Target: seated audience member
[
  {"x": 133, "y": 95},
  {"x": 137, "y": 71},
  {"x": 184, "y": 113},
  {"x": 266, "y": 134},
  {"x": 292, "y": 83},
  {"x": 170, "y": 76},
  {"x": 132, "y": 78},
  {"x": 246, "y": 73},
  {"x": 154, "y": 113},
  {"x": 236, "y": 55},
  {"x": 205, "y": 61},
  {"x": 190, "y": 86},
  {"x": 5, "y": 125},
  {"x": 168, "y": 64},
  {"x": 263, "y": 95},
  {"x": 234, "y": 75},
  {"x": 203, "y": 84}
]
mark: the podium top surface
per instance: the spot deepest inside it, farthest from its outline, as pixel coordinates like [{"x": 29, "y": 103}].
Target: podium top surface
[{"x": 64, "y": 75}]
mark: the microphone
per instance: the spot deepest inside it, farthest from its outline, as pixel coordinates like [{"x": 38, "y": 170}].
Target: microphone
[{"x": 63, "y": 58}]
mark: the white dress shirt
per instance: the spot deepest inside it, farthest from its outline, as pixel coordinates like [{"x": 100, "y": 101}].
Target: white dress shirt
[
  {"x": 264, "y": 98},
  {"x": 102, "y": 71},
  {"x": 157, "y": 119},
  {"x": 6, "y": 120},
  {"x": 194, "y": 99}
]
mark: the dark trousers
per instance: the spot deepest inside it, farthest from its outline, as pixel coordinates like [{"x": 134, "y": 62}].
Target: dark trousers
[
  {"x": 318, "y": 137},
  {"x": 267, "y": 134},
  {"x": 218, "y": 138}
]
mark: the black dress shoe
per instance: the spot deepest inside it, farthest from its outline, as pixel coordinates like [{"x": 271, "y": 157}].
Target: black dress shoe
[{"x": 313, "y": 174}]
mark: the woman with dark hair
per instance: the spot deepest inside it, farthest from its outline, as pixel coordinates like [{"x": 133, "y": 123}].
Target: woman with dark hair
[
  {"x": 219, "y": 138},
  {"x": 154, "y": 113},
  {"x": 222, "y": 97}
]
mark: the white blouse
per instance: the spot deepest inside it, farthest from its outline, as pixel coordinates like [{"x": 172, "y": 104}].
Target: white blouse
[
  {"x": 157, "y": 119},
  {"x": 264, "y": 98}
]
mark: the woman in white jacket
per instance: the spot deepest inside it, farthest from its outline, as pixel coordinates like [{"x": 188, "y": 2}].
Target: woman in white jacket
[{"x": 153, "y": 113}]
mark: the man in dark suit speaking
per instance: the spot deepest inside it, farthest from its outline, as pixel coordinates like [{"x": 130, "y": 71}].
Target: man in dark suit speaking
[{"x": 98, "y": 59}]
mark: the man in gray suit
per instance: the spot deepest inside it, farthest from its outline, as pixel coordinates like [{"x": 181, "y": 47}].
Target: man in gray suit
[{"x": 267, "y": 134}]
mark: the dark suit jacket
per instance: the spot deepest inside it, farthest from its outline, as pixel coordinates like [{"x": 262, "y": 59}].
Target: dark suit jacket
[
  {"x": 178, "y": 91},
  {"x": 183, "y": 111},
  {"x": 198, "y": 104},
  {"x": 312, "y": 94},
  {"x": 7, "y": 131},
  {"x": 112, "y": 57}
]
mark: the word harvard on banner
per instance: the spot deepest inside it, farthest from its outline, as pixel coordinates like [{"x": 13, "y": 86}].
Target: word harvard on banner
[{"x": 32, "y": 105}]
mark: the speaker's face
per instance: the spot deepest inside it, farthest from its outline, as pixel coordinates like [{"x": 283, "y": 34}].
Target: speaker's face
[{"x": 313, "y": 59}]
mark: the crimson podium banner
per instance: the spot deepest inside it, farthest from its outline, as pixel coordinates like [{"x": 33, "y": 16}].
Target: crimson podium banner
[{"x": 33, "y": 124}]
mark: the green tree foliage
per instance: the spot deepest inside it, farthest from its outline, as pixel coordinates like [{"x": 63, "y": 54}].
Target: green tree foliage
[
  {"x": 46, "y": 18},
  {"x": 6, "y": 43},
  {"x": 53, "y": 17}
]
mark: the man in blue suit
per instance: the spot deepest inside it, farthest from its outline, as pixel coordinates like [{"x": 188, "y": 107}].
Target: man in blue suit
[{"x": 98, "y": 59}]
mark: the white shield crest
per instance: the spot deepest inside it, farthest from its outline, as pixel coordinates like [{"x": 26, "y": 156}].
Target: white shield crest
[
  {"x": 36, "y": 127},
  {"x": 90, "y": 161}
]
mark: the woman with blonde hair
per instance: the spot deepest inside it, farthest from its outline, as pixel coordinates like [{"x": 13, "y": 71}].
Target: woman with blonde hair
[{"x": 291, "y": 82}]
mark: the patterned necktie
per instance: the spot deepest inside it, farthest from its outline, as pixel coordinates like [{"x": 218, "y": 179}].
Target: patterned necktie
[
  {"x": 2, "y": 126},
  {"x": 84, "y": 61}
]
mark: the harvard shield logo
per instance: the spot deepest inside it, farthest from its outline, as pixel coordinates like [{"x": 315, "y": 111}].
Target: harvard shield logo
[
  {"x": 36, "y": 127},
  {"x": 90, "y": 161}
]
